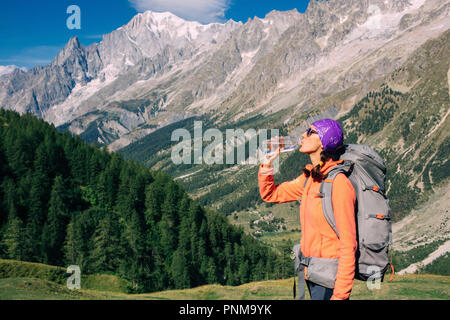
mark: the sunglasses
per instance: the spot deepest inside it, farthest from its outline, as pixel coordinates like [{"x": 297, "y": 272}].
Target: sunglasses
[{"x": 309, "y": 132}]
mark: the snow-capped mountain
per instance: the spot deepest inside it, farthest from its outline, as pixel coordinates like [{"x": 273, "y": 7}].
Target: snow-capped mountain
[{"x": 159, "y": 68}]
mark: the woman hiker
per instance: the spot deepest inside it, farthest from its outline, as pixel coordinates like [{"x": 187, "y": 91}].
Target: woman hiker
[{"x": 322, "y": 142}]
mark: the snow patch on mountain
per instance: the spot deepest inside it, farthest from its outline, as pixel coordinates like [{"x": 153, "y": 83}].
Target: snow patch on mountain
[
  {"x": 68, "y": 110},
  {"x": 381, "y": 24},
  {"x": 4, "y": 70}
]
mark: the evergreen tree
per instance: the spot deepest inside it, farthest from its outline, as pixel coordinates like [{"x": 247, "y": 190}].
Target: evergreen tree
[
  {"x": 125, "y": 202},
  {"x": 244, "y": 272},
  {"x": 71, "y": 244},
  {"x": 107, "y": 253},
  {"x": 78, "y": 243},
  {"x": 110, "y": 180},
  {"x": 94, "y": 168},
  {"x": 102, "y": 197},
  {"x": 258, "y": 271},
  {"x": 9, "y": 198},
  {"x": 183, "y": 210},
  {"x": 35, "y": 223},
  {"x": 159, "y": 279},
  {"x": 170, "y": 204},
  {"x": 77, "y": 154},
  {"x": 167, "y": 240},
  {"x": 137, "y": 270},
  {"x": 228, "y": 272},
  {"x": 212, "y": 271},
  {"x": 180, "y": 270},
  {"x": 13, "y": 237},
  {"x": 155, "y": 195},
  {"x": 55, "y": 227}
]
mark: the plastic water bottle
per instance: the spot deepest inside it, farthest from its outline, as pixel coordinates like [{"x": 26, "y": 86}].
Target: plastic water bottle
[{"x": 285, "y": 143}]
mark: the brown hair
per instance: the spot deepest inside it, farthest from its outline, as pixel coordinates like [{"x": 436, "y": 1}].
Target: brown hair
[{"x": 324, "y": 157}]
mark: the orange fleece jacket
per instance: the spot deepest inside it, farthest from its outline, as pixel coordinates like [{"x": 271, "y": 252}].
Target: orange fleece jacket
[{"x": 318, "y": 238}]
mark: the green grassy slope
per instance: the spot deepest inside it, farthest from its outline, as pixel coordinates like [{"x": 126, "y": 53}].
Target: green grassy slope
[
  {"x": 407, "y": 287},
  {"x": 57, "y": 276},
  {"x": 35, "y": 281}
]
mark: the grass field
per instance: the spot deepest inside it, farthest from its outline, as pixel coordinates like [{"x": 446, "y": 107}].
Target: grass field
[{"x": 405, "y": 287}]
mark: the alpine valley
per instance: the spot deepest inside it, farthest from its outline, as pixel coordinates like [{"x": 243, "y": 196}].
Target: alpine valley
[{"x": 381, "y": 67}]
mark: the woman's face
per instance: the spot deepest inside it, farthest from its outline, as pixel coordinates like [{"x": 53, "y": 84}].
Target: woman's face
[{"x": 311, "y": 143}]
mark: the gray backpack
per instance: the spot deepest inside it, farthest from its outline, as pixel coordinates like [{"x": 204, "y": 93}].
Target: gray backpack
[{"x": 367, "y": 173}]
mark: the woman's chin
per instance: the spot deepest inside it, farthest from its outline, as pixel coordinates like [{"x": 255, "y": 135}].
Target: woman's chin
[{"x": 305, "y": 150}]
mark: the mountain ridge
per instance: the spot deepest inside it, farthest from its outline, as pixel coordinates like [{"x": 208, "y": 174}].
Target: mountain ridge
[{"x": 230, "y": 69}]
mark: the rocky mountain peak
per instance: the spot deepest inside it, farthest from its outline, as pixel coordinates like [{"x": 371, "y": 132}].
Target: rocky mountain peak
[
  {"x": 72, "y": 49},
  {"x": 276, "y": 16}
]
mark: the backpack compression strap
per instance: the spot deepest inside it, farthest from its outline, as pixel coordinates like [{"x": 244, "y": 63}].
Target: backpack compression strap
[{"x": 325, "y": 192}]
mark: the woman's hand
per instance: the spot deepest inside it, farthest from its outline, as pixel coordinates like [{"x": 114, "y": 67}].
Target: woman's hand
[{"x": 270, "y": 158}]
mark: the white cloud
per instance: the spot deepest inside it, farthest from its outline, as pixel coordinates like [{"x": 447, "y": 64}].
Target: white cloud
[
  {"x": 203, "y": 11},
  {"x": 4, "y": 70}
]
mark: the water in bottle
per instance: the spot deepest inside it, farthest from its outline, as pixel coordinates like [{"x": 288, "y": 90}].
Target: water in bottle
[{"x": 285, "y": 143}]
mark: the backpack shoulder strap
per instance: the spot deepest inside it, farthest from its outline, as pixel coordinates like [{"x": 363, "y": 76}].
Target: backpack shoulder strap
[
  {"x": 304, "y": 185},
  {"x": 326, "y": 188}
]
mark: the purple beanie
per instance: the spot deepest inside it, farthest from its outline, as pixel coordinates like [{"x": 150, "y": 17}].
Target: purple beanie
[{"x": 330, "y": 133}]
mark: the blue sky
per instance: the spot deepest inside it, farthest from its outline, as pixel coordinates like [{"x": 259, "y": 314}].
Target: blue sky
[{"x": 32, "y": 32}]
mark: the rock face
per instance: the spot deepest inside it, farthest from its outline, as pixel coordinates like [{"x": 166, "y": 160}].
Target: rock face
[
  {"x": 159, "y": 69},
  {"x": 38, "y": 89}
]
